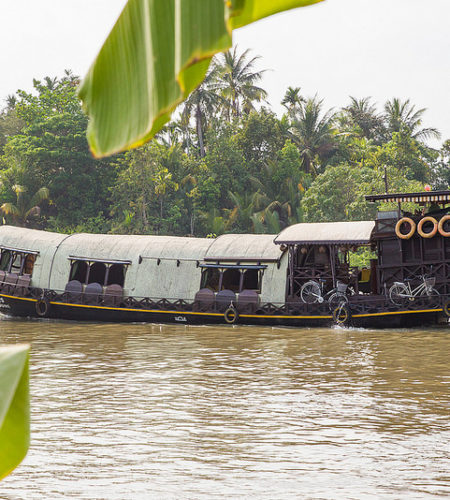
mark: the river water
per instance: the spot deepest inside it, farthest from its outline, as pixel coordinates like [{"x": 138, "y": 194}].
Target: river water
[{"x": 147, "y": 411}]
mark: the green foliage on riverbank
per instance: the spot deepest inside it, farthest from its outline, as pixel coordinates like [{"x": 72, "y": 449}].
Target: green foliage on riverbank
[{"x": 227, "y": 163}]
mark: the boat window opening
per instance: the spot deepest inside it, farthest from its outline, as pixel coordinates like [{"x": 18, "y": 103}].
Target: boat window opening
[
  {"x": 116, "y": 275},
  {"x": 79, "y": 271},
  {"x": 321, "y": 256},
  {"x": 305, "y": 256},
  {"x": 5, "y": 260},
  {"x": 16, "y": 263},
  {"x": 211, "y": 279},
  {"x": 231, "y": 280},
  {"x": 97, "y": 273},
  {"x": 252, "y": 278}
]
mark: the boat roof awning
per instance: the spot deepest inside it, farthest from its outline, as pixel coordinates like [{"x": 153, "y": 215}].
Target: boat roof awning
[
  {"x": 422, "y": 197},
  {"x": 327, "y": 233},
  {"x": 243, "y": 248}
]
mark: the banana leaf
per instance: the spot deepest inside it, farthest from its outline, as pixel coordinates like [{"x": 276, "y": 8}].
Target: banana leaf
[
  {"x": 14, "y": 407},
  {"x": 157, "y": 53}
]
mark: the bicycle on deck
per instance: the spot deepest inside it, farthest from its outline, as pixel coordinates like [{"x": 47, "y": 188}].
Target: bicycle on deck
[
  {"x": 313, "y": 292},
  {"x": 400, "y": 293}
]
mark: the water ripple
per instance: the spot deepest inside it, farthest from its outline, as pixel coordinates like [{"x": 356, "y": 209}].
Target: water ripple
[{"x": 176, "y": 412}]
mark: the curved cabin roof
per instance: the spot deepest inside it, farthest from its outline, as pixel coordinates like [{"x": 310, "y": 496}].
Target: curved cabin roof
[
  {"x": 131, "y": 247},
  {"x": 20, "y": 238},
  {"x": 328, "y": 233},
  {"x": 244, "y": 247}
]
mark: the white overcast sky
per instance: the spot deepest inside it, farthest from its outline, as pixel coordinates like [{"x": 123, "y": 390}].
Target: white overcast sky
[{"x": 378, "y": 48}]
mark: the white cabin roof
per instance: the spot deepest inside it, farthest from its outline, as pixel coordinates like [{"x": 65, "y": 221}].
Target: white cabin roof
[
  {"x": 330, "y": 233},
  {"x": 131, "y": 247},
  {"x": 21, "y": 238},
  {"x": 249, "y": 247}
]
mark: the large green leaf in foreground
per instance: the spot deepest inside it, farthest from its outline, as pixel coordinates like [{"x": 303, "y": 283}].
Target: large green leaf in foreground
[
  {"x": 156, "y": 54},
  {"x": 14, "y": 407}
]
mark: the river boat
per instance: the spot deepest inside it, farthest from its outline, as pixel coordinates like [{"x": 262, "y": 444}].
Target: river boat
[{"x": 299, "y": 277}]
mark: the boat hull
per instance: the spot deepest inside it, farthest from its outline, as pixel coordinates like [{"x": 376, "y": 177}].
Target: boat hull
[{"x": 26, "y": 307}]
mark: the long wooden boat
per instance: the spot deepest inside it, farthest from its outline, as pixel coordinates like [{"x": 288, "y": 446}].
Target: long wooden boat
[{"x": 300, "y": 277}]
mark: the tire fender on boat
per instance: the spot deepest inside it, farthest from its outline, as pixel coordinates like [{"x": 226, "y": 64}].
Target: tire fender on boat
[
  {"x": 441, "y": 226},
  {"x": 422, "y": 222},
  {"x": 42, "y": 307},
  {"x": 412, "y": 225},
  {"x": 446, "y": 308},
  {"x": 342, "y": 315},
  {"x": 231, "y": 315}
]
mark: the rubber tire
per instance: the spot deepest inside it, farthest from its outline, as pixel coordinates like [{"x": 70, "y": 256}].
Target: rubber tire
[
  {"x": 406, "y": 236},
  {"x": 336, "y": 299},
  {"x": 441, "y": 226},
  {"x": 231, "y": 315},
  {"x": 422, "y": 222},
  {"x": 446, "y": 308},
  {"x": 42, "y": 307},
  {"x": 340, "y": 320},
  {"x": 394, "y": 293},
  {"x": 310, "y": 292}
]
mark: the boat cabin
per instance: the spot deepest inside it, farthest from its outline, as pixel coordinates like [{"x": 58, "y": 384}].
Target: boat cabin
[{"x": 321, "y": 252}]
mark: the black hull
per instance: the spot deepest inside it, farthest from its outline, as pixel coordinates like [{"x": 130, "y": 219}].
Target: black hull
[{"x": 26, "y": 307}]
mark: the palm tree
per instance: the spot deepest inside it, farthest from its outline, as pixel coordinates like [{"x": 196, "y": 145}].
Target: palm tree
[
  {"x": 162, "y": 180},
  {"x": 51, "y": 83},
  {"x": 11, "y": 101},
  {"x": 188, "y": 183},
  {"x": 244, "y": 207},
  {"x": 281, "y": 198},
  {"x": 292, "y": 98},
  {"x": 202, "y": 103},
  {"x": 403, "y": 116},
  {"x": 363, "y": 114},
  {"x": 25, "y": 208},
  {"x": 237, "y": 82},
  {"x": 312, "y": 133}
]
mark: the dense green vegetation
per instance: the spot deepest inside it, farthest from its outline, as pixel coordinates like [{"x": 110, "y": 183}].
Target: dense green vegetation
[{"x": 227, "y": 163}]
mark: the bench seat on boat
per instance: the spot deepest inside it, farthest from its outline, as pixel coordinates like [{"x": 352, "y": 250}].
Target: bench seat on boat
[
  {"x": 2, "y": 279},
  {"x": 93, "y": 293},
  {"x": 22, "y": 286},
  {"x": 248, "y": 301},
  {"x": 224, "y": 299},
  {"x": 73, "y": 291},
  {"x": 113, "y": 295},
  {"x": 10, "y": 283},
  {"x": 204, "y": 300}
]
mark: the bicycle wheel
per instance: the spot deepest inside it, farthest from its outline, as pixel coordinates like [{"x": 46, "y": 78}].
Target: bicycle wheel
[
  {"x": 336, "y": 299},
  {"x": 310, "y": 292},
  {"x": 432, "y": 293},
  {"x": 399, "y": 294}
]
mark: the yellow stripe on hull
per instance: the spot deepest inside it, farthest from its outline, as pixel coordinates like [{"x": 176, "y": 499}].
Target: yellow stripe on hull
[{"x": 194, "y": 313}]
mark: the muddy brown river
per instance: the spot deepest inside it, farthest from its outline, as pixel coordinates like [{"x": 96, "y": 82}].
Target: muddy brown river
[{"x": 147, "y": 411}]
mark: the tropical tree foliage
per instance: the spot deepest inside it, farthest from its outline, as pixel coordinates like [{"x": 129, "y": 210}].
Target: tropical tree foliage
[
  {"x": 25, "y": 209},
  {"x": 224, "y": 164}
]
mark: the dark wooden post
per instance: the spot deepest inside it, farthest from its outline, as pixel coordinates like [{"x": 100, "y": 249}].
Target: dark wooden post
[
  {"x": 291, "y": 270},
  {"x": 333, "y": 264}
]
